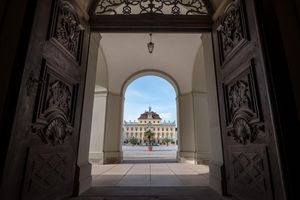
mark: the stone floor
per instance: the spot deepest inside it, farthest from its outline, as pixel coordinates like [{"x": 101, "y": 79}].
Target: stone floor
[
  {"x": 150, "y": 193},
  {"x": 150, "y": 174},
  {"x": 150, "y": 181}
]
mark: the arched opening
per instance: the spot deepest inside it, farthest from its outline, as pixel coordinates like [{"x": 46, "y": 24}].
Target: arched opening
[
  {"x": 150, "y": 106},
  {"x": 50, "y": 116},
  {"x": 192, "y": 79}
]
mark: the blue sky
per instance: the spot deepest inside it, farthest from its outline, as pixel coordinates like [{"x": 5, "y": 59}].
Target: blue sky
[{"x": 150, "y": 90}]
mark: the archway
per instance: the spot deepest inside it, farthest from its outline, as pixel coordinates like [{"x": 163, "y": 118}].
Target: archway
[
  {"x": 191, "y": 100},
  {"x": 227, "y": 49},
  {"x": 142, "y": 89}
]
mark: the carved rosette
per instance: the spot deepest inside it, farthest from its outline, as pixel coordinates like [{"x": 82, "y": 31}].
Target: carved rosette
[
  {"x": 243, "y": 132},
  {"x": 68, "y": 30},
  {"x": 243, "y": 120},
  {"x": 54, "y": 128},
  {"x": 232, "y": 29}
]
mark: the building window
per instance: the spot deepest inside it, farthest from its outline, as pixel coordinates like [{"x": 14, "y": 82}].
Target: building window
[
  {"x": 145, "y": 122},
  {"x": 127, "y": 129},
  {"x": 131, "y": 128},
  {"x": 153, "y": 129},
  {"x": 171, "y": 129},
  {"x": 136, "y": 128},
  {"x": 158, "y": 129},
  {"x": 141, "y": 128},
  {"x": 162, "y": 129},
  {"x": 167, "y": 129}
]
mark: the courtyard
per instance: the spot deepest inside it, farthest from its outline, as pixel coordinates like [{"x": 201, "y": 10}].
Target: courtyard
[{"x": 162, "y": 153}]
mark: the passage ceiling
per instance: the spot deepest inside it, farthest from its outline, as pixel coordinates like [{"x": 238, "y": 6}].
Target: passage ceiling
[{"x": 127, "y": 53}]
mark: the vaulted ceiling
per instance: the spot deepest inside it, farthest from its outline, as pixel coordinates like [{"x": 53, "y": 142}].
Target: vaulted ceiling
[{"x": 127, "y": 53}]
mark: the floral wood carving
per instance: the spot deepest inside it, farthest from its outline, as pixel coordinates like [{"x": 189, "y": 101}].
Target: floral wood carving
[
  {"x": 239, "y": 96},
  {"x": 68, "y": 30},
  {"x": 232, "y": 30},
  {"x": 55, "y": 132},
  {"x": 59, "y": 97},
  {"x": 243, "y": 120},
  {"x": 243, "y": 132},
  {"x": 54, "y": 127}
]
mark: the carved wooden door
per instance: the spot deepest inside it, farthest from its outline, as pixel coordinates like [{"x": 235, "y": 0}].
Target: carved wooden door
[
  {"x": 251, "y": 157},
  {"x": 43, "y": 148}
]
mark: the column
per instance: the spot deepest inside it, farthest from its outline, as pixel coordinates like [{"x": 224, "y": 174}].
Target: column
[
  {"x": 98, "y": 124},
  {"x": 186, "y": 129},
  {"x": 112, "y": 140}
]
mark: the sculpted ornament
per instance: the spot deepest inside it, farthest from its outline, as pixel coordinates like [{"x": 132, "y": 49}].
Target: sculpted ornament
[
  {"x": 244, "y": 124},
  {"x": 68, "y": 30},
  {"x": 243, "y": 133},
  {"x": 54, "y": 128},
  {"x": 232, "y": 31}
]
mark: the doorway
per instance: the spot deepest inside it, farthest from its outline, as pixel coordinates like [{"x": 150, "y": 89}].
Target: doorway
[
  {"x": 173, "y": 54},
  {"x": 243, "y": 101},
  {"x": 149, "y": 108}
]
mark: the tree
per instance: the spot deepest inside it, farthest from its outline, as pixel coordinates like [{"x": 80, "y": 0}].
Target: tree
[
  {"x": 167, "y": 140},
  {"x": 149, "y": 135},
  {"x": 133, "y": 140}
]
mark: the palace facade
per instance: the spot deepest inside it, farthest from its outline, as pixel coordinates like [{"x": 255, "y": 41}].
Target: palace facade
[{"x": 150, "y": 120}]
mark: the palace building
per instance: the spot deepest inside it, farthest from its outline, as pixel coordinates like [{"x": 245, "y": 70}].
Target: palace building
[{"x": 150, "y": 120}]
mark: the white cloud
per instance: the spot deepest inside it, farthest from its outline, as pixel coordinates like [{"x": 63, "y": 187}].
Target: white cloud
[{"x": 166, "y": 116}]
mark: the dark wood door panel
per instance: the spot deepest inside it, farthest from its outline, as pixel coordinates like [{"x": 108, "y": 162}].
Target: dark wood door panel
[
  {"x": 43, "y": 148},
  {"x": 250, "y": 172},
  {"x": 248, "y": 134},
  {"x": 47, "y": 169}
]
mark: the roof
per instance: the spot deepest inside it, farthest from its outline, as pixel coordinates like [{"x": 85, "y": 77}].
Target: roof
[{"x": 153, "y": 115}]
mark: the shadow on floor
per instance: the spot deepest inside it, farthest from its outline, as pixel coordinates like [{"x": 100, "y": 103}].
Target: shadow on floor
[{"x": 150, "y": 193}]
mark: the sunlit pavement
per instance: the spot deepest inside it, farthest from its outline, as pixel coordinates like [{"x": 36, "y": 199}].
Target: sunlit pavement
[
  {"x": 162, "y": 152},
  {"x": 150, "y": 174}
]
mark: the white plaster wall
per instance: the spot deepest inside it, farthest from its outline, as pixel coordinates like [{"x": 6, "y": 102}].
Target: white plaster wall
[
  {"x": 99, "y": 111},
  {"x": 102, "y": 72},
  {"x": 186, "y": 128},
  {"x": 202, "y": 131},
  {"x": 98, "y": 127},
  {"x": 213, "y": 108},
  {"x": 83, "y": 164},
  {"x": 199, "y": 76},
  {"x": 200, "y": 108},
  {"x": 216, "y": 176},
  {"x": 112, "y": 146},
  {"x": 88, "y": 99},
  {"x": 127, "y": 54}
]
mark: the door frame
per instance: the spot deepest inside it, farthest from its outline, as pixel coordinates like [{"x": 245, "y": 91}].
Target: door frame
[{"x": 271, "y": 31}]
